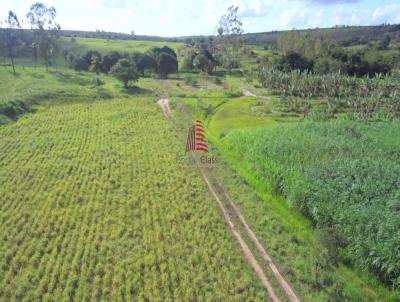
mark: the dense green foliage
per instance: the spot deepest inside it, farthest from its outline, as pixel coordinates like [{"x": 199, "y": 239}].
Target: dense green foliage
[
  {"x": 343, "y": 35},
  {"x": 306, "y": 51},
  {"x": 365, "y": 97},
  {"x": 125, "y": 71},
  {"x": 344, "y": 176}
]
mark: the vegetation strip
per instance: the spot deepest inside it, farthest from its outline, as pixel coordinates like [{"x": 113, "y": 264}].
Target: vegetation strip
[
  {"x": 164, "y": 104},
  {"x": 282, "y": 280}
]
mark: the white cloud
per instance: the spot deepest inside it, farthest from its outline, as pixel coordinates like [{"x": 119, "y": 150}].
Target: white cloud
[
  {"x": 387, "y": 13},
  {"x": 184, "y": 17}
]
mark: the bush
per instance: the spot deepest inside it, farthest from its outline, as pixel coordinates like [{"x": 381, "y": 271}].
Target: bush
[
  {"x": 191, "y": 80},
  {"x": 81, "y": 64},
  {"x": 234, "y": 93},
  {"x": 4, "y": 120},
  {"x": 217, "y": 81},
  {"x": 96, "y": 81}
]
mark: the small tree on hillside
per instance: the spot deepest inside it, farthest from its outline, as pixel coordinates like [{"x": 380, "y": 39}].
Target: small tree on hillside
[
  {"x": 230, "y": 30},
  {"x": 204, "y": 61},
  {"x": 125, "y": 71},
  {"x": 42, "y": 20},
  {"x": 166, "y": 64},
  {"x": 95, "y": 64},
  {"x": 188, "y": 61},
  {"x": 12, "y": 38}
]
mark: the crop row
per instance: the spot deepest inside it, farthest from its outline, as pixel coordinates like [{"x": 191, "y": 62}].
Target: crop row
[{"x": 95, "y": 208}]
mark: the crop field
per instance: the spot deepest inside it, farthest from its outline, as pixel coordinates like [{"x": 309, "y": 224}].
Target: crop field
[
  {"x": 353, "y": 218},
  {"x": 103, "y": 46},
  {"x": 104, "y": 211},
  {"x": 224, "y": 167}
]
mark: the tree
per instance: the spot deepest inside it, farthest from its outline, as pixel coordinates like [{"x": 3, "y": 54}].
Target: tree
[
  {"x": 155, "y": 52},
  {"x": 295, "y": 61},
  {"x": 384, "y": 43},
  {"x": 145, "y": 62},
  {"x": 230, "y": 23},
  {"x": 188, "y": 61},
  {"x": 109, "y": 60},
  {"x": 125, "y": 71},
  {"x": 80, "y": 64},
  {"x": 166, "y": 64},
  {"x": 230, "y": 30},
  {"x": 95, "y": 64},
  {"x": 42, "y": 20},
  {"x": 204, "y": 61},
  {"x": 12, "y": 36}
]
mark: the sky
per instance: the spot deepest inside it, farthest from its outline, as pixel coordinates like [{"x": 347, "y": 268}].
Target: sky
[{"x": 200, "y": 17}]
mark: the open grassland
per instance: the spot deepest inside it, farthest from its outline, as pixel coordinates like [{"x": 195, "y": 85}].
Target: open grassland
[
  {"x": 82, "y": 45},
  {"x": 94, "y": 207},
  {"x": 19, "y": 94}
]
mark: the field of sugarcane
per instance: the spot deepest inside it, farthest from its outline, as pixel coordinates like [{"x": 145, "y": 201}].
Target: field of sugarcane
[
  {"x": 361, "y": 98},
  {"x": 344, "y": 176},
  {"x": 94, "y": 207}
]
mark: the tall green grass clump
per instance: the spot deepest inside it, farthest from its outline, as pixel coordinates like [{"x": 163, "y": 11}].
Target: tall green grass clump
[{"x": 344, "y": 176}]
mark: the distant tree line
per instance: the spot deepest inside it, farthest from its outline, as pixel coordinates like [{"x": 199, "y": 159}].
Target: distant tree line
[
  {"x": 126, "y": 67},
  {"x": 307, "y": 52}
]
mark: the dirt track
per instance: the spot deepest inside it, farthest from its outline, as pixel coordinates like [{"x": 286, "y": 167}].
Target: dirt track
[{"x": 288, "y": 290}]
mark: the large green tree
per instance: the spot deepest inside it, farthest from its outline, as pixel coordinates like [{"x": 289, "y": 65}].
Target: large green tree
[
  {"x": 166, "y": 64},
  {"x": 125, "y": 71},
  {"x": 204, "y": 61},
  {"x": 46, "y": 30}
]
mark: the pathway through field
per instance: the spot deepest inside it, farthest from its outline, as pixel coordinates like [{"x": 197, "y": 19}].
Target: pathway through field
[{"x": 216, "y": 186}]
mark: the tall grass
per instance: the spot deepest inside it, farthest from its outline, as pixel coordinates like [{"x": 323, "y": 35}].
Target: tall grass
[{"x": 345, "y": 176}]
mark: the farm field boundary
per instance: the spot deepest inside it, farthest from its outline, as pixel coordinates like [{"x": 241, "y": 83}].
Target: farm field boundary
[{"x": 238, "y": 226}]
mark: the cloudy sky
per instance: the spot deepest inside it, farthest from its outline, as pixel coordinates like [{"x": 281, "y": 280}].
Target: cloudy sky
[{"x": 200, "y": 17}]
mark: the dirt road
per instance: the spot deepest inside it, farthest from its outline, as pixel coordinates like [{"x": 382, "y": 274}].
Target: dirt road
[
  {"x": 164, "y": 104},
  {"x": 216, "y": 186},
  {"x": 247, "y": 93}
]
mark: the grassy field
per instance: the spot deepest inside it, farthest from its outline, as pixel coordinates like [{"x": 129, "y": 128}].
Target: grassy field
[
  {"x": 234, "y": 127},
  {"x": 104, "y": 212},
  {"x": 359, "y": 219},
  {"x": 82, "y": 45}
]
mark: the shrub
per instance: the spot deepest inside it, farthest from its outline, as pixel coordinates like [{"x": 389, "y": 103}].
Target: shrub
[
  {"x": 4, "y": 120},
  {"x": 96, "y": 81},
  {"x": 191, "y": 80},
  {"x": 217, "y": 81}
]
